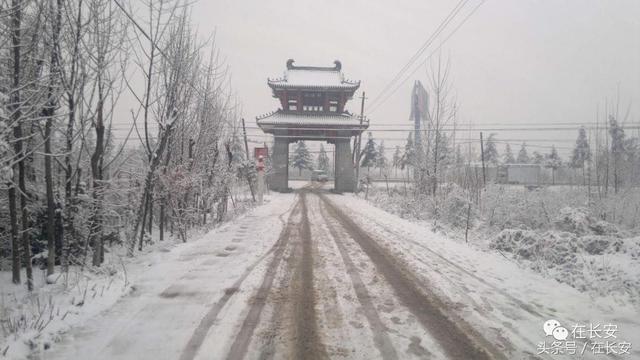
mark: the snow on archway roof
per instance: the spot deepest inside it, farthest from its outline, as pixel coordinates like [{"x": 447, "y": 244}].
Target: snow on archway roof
[{"x": 313, "y": 77}]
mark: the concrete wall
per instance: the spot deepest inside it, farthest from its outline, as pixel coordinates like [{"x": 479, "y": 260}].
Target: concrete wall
[
  {"x": 345, "y": 173},
  {"x": 278, "y": 178}
]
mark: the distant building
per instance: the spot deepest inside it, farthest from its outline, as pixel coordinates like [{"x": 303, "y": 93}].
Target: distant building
[{"x": 525, "y": 174}]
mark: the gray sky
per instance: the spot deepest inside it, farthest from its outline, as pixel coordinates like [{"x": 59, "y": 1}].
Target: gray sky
[{"x": 516, "y": 62}]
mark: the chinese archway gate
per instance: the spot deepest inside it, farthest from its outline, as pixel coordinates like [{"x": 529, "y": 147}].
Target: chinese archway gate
[{"x": 312, "y": 103}]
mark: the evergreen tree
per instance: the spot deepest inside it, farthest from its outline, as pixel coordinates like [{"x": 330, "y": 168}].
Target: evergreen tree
[
  {"x": 445, "y": 153},
  {"x": 237, "y": 152},
  {"x": 459, "y": 156},
  {"x": 238, "y": 158},
  {"x": 490, "y": 150},
  {"x": 553, "y": 162},
  {"x": 523, "y": 157},
  {"x": 323, "y": 159},
  {"x": 617, "y": 149},
  {"x": 582, "y": 151},
  {"x": 381, "y": 159},
  {"x": 370, "y": 151},
  {"x": 537, "y": 158},
  {"x": 397, "y": 159},
  {"x": 301, "y": 157},
  {"x": 508, "y": 155},
  {"x": 408, "y": 158}
]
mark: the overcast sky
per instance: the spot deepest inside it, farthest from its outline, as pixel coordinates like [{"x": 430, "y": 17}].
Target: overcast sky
[{"x": 516, "y": 62}]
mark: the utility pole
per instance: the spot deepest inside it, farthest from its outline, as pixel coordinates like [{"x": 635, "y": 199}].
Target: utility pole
[
  {"x": 484, "y": 176},
  {"x": 244, "y": 134},
  {"x": 417, "y": 140},
  {"x": 419, "y": 111},
  {"x": 246, "y": 149},
  {"x": 357, "y": 150}
]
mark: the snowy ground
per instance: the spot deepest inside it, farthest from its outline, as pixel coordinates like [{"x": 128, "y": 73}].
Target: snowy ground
[
  {"x": 509, "y": 303},
  {"x": 313, "y": 274},
  {"x": 129, "y": 308}
]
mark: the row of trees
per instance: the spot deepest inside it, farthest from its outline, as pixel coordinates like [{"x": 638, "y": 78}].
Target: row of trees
[
  {"x": 617, "y": 157},
  {"x": 79, "y": 170},
  {"x": 301, "y": 159}
]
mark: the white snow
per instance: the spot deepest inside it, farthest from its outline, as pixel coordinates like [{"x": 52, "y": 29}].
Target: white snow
[
  {"x": 314, "y": 78},
  {"x": 173, "y": 287},
  {"x": 168, "y": 289},
  {"x": 282, "y": 118},
  {"x": 501, "y": 299}
]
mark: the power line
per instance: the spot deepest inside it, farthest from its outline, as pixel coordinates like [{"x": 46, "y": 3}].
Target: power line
[
  {"x": 422, "y": 48},
  {"x": 470, "y": 126},
  {"x": 377, "y": 105},
  {"x": 448, "y": 129}
]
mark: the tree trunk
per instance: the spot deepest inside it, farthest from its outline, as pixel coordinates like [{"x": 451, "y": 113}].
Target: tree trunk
[
  {"x": 161, "y": 223},
  {"x": 95, "y": 233},
  {"x": 48, "y": 113},
  {"x": 150, "y": 212},
  {"x": 204, "y": 211},
  {"x": 51, "y": 241},
  {"x": 15, "y": 244},
  {"x": 16, "y": 22},
  {"x": 68, "y": 188},
  {"x": 143, "y": 226},
  {"x": 148, "y": 187},
  {"x": 67, "y": 228},
  {"x": 26, "y": 241}
]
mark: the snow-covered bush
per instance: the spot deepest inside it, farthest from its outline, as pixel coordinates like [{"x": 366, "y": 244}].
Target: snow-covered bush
[
  {"x": 574, "y": 220},
  {"x": 599, "y": 244},
  {"x": 457, "y": 209},
  {"x": 589, "y": 262},
  {"x": 559, "y": 232},
  {"x": 522, "y": 243}
]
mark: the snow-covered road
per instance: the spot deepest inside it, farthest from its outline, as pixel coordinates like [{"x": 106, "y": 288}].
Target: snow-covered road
[{"x": 317, "y": 275}]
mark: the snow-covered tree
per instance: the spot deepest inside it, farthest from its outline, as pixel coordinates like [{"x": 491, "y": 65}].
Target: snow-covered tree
[
  {"x": 446, "y": 154},
  {"x": 301, "y": 158},
  {"x": 523, "y": 156},
  {"x": 381, "y": 159},
  {"x": 459, "y": 161},
  {"x": 369, "y": 153},
  {"x": 490, "y": 150},
  {"x": 553, "y": 162},
  {"x": 237, "y": 151},
  {"x": 617, "y": 150},
  {"x": 581, "y": 152},
  {"x": 409, "y": 155},
  {"x": 508, "y": 155},
  {"x": 396, "y": 162},
  {"x": 323, "y": 159},
  {"x": 537, "y": 158}
]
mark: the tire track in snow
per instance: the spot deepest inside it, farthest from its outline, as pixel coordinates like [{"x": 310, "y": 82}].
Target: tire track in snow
[
  {"x": 442, "y": 261},
  {"x": 307, "y": 344},
  {"x": 241, "y": 343},
  {"x": 195, "y": 342},
  {"x": 280, "y": 307},
  {"x": 380, "y": 337},
  {"x": 457, "y": 338},
  {"x": 528, "y": 308}
]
